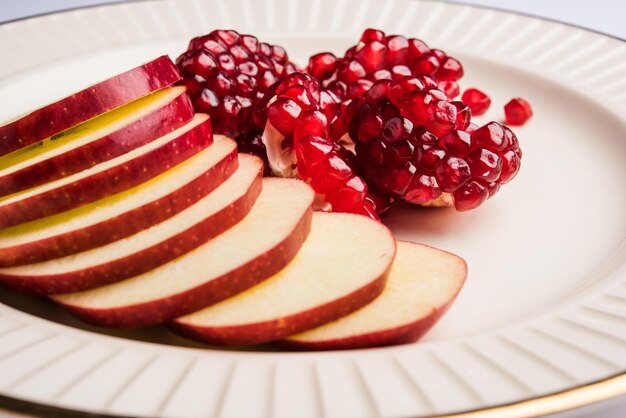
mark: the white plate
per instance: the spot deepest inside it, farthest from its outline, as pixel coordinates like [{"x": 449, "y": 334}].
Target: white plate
[{"x": 544, "y": 308}]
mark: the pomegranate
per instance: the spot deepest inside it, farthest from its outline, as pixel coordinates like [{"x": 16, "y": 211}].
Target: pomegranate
[{"x": 420, "y": 147}]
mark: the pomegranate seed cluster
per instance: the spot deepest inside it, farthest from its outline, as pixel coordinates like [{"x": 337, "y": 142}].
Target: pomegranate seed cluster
[
  {"x": 227, "y": 73},
  {"x": 299, "y": 142},
  {"x": 418, "y": 146},
  {"x": 377, "y": 57},
  {"x": 378, "y": 124}
]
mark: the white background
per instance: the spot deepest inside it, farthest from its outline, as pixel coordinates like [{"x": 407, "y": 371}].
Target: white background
[{"x": 607, "y": 16}]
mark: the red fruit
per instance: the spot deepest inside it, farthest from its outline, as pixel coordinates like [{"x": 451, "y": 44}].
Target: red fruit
[
  {"x": 414, "y": 144},
  {"x": 322, "y": 65},
  {"x": 470, "y": 196},
  {"x": 227, "y": 73},
  {"x": 478, "y": 101},
  {"x": 380, "y": 57},
  {"x": 395, "y": 54},
  {"x": 298, "y": 139},
  {"x": 517, "y": 111},
  {"x": 450, "y": 88}
]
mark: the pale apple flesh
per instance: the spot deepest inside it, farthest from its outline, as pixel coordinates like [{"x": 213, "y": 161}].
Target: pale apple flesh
[
  {"x": 120, "y": 215},
  {"x": 326, "y": 280},
  {"x": 88, "y": 103},
  {"x": 147, "y": 249},
  {"x": 109, "y": 177},
  {"x": 422, "y": 285},
  {"x": 247, "y": 253},
  {"x": 97, "y": 140}
]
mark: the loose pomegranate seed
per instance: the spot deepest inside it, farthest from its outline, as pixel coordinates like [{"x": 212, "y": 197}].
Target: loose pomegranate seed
[
  {"x": 415, "y": 144},
  {"x": 517, "y": 111},
  {"x": 478, "y": 101},
  {"x": 226, "y": 74}
]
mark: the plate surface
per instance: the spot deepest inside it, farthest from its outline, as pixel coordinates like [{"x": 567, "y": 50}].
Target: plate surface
[{"x": 544, "y": 307}]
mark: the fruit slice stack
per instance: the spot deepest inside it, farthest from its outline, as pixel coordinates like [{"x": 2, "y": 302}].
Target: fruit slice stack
[{"x": 141, "y": 216}]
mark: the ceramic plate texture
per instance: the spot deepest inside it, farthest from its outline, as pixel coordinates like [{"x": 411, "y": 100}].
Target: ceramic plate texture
[{"x": 544, "y": 306}]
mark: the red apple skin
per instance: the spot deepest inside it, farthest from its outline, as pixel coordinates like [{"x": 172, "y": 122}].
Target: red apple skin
[
  {"x": 114, "y": 180},
  {"x": 262, "y": 332},
  {"x": 231, "y": 283},
  {"x": 142, "y": 261},
  {"x": 404, "y": 334},
  {"x": 88, "y": 103},
  {"x": 109, "y": 230},
  {"x": 158, "y": 123}
]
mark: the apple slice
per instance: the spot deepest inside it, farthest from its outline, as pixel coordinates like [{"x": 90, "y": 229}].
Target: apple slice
[
  {"x": 86, "y": 104},
  {"x": 120, "y": 215},
  {"x": 150, "y": 248},
  {"x": 109, "y": 177},
  {"x": 100, "y": 139},
  {"x": 422, "y": 284},
  {"x": 341, "y": 267},
  {"x": 242, "y": 256}
]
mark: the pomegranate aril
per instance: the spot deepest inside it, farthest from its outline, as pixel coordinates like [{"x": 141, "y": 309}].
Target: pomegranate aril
[
  {"x": 510, "y": 138},
  {"x": 423, "y": 188},
  {"x": 491, "y": 136},
  {"x": 311, "y": 123},
  {"x": 426, "y": 64},
  {"x": 419, "y": 107},
  {"x": 398, "y": 90},
  {"x": 457, "y": 143},
  {"x": 396, "y": 129},
  {"x": 428, "y": 156},
  {"x": 471, "y": 128},
  {"x": 517, "y": 111},
  {"x": 463, "y": 116},
  {"x": 283, "y": 115},
  {"x": 332, "y": 173},
  {"x": 228, "y": 74},
  {"x": 371, "y": 34},
  {"x": 398, "y": 48},
  {"x": 359, "y": 87},
  {"x": 372, "y": 56},
  {"x": 444, "y": 121},
  {"x": 485, "y": 164},
  {"x": 310, "y": 152},
  {"x": 470, "y": 196},
  {"x": 510, "y": 166},
  {"x": 371, "y": 127},
  {"x": 402, "y": 151},
  {"x": 398, "y": 178},
  {"x": 450, "y": 88},
  {"x": 450, "y": 69},
  {"x": 492, "y": 187},
  {"x": 322, "y": 65},
  {"x": 452, "y": 173},
  {"x": 478, "y": 101},
  {"x": 379, "y": 202},
  {"x": 351, "y": 71}
]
